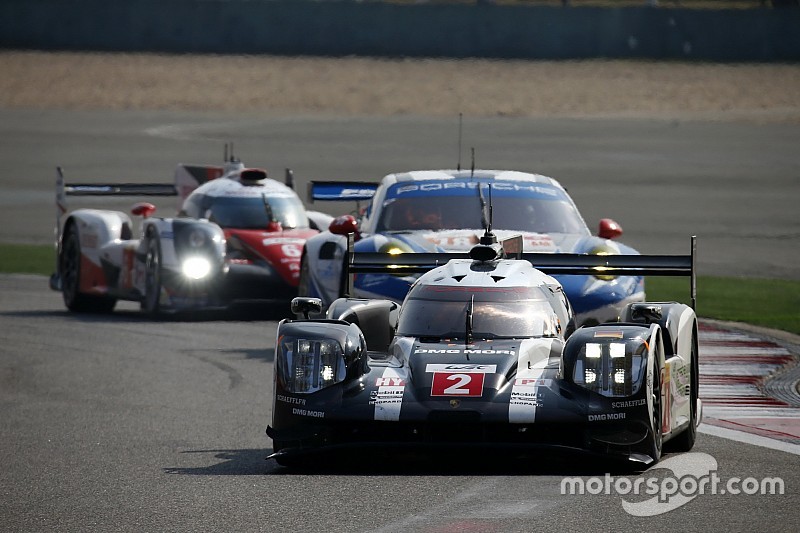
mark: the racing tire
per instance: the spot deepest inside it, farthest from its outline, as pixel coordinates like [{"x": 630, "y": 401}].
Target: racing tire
[
  {"x": 684, "y": 442},
  {"x": 70, "y": 270},
  {"x": 150, "y": 304},
  {"x": 657, "y": 437},
  {"x": 302, "y": 283}
]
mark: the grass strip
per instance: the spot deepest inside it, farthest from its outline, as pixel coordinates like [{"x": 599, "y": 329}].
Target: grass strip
[{"x": 772, "y": 303}]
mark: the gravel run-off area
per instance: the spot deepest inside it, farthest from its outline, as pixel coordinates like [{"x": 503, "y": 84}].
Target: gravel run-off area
[{"x": 356, "y": 86}]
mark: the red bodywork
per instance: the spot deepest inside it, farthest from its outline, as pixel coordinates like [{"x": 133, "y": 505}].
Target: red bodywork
[{"x": 280, "y": 249}]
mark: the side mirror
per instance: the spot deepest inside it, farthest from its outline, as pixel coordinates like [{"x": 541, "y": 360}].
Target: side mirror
[
  {"x": 303, "y": 305},
  {"x": 344, "y": 225},
  {"x": 609, "y": 229},
  {"x": 144, "y": 209}
]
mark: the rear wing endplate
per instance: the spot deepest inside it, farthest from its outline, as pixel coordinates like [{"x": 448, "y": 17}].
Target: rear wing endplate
[
  {"x": 341, "y": 191},
  {"x": 551, "y": 264}
]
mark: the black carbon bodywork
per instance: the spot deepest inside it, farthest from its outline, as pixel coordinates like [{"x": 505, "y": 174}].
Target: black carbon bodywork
[{"x": 559, "y": 413}]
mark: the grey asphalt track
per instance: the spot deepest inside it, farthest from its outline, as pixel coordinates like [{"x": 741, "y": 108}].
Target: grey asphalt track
[
  {"x": 117, "y": 423},
  {"x": 735, "y": 185}
]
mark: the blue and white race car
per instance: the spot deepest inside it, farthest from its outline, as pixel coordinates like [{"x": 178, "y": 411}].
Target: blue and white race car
[{"x": 439, "y": 211}]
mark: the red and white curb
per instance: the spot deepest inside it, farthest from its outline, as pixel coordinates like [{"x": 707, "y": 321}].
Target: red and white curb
[{"x": 733, "y": 368}]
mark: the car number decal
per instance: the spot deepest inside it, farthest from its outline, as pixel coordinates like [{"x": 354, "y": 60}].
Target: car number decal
[{"x": 462, "y": 384}]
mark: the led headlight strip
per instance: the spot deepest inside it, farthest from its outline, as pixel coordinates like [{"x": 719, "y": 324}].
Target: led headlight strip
[{"x": 610, "y": 367}]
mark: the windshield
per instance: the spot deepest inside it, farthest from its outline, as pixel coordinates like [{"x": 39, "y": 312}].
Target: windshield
[
  {"x": 447, "y": 318},
  {"x": 251, "y": 213},
  {"x": 537, "y": 212}
]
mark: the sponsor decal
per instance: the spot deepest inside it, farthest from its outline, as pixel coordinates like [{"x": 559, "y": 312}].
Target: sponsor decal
[
  {"x": 390, "y": 382},
  {"x": 281, "y": 240},
  {"x": 628, "y": 403},
  {"x": 465, "y": 351},
  {"x": 603, "y": 417},
  {"x": 497, "y": 186},
  {"x": 533, "y": 382},
  {"x": 462, "y": 367},
  {"x": 464, "y": 384},
  {"x": 526, "y": 398},
  {"x": 462, "y": 242},
  {"x": 388, "y": 397},
  {"x": 290, "y": 399},
  {"x": 608, "y": 334},
  {"x": 308, "y": 412},
  {"x": 356, "y": 192},
  {"x": 542, "y": 241}
]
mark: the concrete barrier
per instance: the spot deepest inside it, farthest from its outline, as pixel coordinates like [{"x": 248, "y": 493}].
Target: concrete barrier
[{"x": 340, "y": 28}]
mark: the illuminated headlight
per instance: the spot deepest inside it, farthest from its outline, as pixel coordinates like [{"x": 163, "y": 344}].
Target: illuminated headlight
[
  {"x": 394, "y": 247},
  {"x": 196, "y": 267},
  {"x": 603, "y": 250},
  {"x": 610, "y": 367},
  {"x": 311, "y": 364}
]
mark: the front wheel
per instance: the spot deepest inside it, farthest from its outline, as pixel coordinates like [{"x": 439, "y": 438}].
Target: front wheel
[
  {"x": 657, "y": 442},
  {"x": 303, "y": 283},
  {"x": 70, "y": 271},
  {"x": 152, "y": 276},
  {"x": 685, "y": 441}
]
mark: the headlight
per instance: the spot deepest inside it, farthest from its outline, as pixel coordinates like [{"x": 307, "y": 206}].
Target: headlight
[
  {"x": 603, "y": 250},
  {"x": 196, "y": 267},
  {"x": 311, "y": 364},
  {"x": 393, "y": 247},
  {"x": 608, "y": 364}
]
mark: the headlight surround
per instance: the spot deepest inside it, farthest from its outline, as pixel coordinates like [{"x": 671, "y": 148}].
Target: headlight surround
[
  {"x": 311, "y": 364},
  {"x": 196, "y": 267},
  {"x": 607, "y": 362},
  {"x": 197, "y": 238}
]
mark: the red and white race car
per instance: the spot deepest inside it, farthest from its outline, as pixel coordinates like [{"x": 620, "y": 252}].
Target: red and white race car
[{"x": 238, "y": 236}]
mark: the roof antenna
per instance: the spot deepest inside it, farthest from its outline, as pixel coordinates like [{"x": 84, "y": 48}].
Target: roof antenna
[
  {"x": 460, "y": 122},
  {"x": 468, "y": 336},
  {"x": 488, "y": 237},
  {"x": 472, "y": 170}
]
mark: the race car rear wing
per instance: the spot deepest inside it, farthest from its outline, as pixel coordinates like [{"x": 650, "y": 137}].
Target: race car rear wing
[
  {"x": 551, "y": 264},
  {"x": 341, "y": 191}
]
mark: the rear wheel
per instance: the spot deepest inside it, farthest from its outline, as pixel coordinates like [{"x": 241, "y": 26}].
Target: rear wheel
[
  {"x": 152, "y": 276},
  {"x": 685, "y": 441},
  {"x": 70, "y": 271}
]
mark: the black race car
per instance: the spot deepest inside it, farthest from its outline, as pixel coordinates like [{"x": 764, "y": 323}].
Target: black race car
[{"x": 483, "y": 352}]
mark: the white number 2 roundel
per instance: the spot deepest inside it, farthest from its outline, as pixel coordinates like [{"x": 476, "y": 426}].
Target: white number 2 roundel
[{"x": 463, "y": 384}]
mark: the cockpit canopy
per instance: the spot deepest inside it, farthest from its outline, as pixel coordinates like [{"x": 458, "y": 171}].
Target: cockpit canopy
[
  {"x": 248, "y": 212},
  {"x": 537, "y": 208},
  {"x": 441, "y": 312}
]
